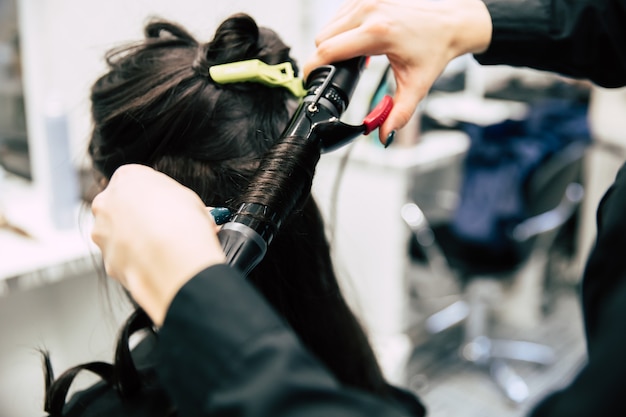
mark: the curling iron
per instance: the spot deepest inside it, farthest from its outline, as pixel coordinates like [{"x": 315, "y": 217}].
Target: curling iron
[{"x": 314, "y": 128}]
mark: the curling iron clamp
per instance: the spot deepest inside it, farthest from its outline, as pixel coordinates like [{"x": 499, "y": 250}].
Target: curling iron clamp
[{"x": 247, "y": 234}]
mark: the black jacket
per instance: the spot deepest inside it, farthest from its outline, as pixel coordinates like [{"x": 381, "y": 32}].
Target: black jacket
[{"x": 581, "y": 38}]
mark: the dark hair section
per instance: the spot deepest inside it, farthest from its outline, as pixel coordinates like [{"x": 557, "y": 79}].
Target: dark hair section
[{"x": 157, "y": 106}]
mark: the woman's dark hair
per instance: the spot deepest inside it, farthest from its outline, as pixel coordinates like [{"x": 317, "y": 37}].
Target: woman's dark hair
[{"x": 158, "y": 106}]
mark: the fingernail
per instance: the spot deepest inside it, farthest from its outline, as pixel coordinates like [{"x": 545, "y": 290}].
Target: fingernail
[
  {"x": 390, "y": 137},
  {"x": 220, "y": 215}
]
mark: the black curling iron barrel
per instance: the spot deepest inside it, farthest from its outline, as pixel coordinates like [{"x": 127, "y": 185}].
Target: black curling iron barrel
[{"x": 284, "y": 177}]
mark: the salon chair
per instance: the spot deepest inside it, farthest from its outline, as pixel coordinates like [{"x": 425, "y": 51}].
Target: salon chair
[{"x": 552, "y": 194}]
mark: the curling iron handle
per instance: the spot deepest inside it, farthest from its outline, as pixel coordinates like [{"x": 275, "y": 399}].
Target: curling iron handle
[{"x": 244, "y": 248}]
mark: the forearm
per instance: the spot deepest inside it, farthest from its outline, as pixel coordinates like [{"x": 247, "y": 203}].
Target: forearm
[
  {"x": 223, "y": 348},
  {"x": 582, "y": 39}
]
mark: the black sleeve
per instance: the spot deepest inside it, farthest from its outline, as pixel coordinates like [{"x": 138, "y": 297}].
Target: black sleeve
[
  {"x": 224, "y": 351},
  {"x": 599, "y": 388},
  {"x": 581, "y": 38}
]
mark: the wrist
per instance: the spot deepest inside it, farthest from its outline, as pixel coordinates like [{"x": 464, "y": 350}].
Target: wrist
[
  {"x": 154, "y": 288},
  {"x": 473, "y": 27}
]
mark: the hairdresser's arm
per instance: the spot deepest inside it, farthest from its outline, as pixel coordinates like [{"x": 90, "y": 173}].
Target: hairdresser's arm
[
  {"x": 583, "y": 38},
  {"x": 223, "y": 349},
  {"x": 419, "y": 37}
]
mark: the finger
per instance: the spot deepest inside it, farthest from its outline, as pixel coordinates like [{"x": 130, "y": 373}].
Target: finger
[
  {"x": 99, "y": 232},
  {"x": 344, "y": 46},
  {"x": 113, "y": 274},
  {"x": 99, "y": 237},
  {"x": 406, "y": 100},
  {"x": 96, "y": 203},
  {"x": 345, "y": 19},
  {"x": 96, "y": 209}
]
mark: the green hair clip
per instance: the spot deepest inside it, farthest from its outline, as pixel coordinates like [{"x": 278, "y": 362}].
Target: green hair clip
[{"x": 254, "y": 70}]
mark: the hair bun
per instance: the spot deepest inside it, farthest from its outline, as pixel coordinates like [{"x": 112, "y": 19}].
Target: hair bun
[
  {"x": 235, "y": 39},
  {"x": 160, "y": 29},
  {"x": 239, "y": 38}
]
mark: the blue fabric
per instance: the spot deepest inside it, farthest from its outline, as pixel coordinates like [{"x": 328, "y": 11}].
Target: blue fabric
[{"x": 499, "y": 162}]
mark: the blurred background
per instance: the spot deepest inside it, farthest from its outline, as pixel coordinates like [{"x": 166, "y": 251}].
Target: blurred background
[{"x": 400, "y": 220}]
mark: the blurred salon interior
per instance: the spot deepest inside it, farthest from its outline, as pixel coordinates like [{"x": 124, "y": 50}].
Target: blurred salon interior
[{"x": 466, "y": 277}]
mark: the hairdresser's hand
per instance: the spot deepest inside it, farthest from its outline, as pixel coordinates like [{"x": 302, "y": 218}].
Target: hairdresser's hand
[
  {"x": 419, "y": 37},
  {"x": 154, "y": 235}
]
